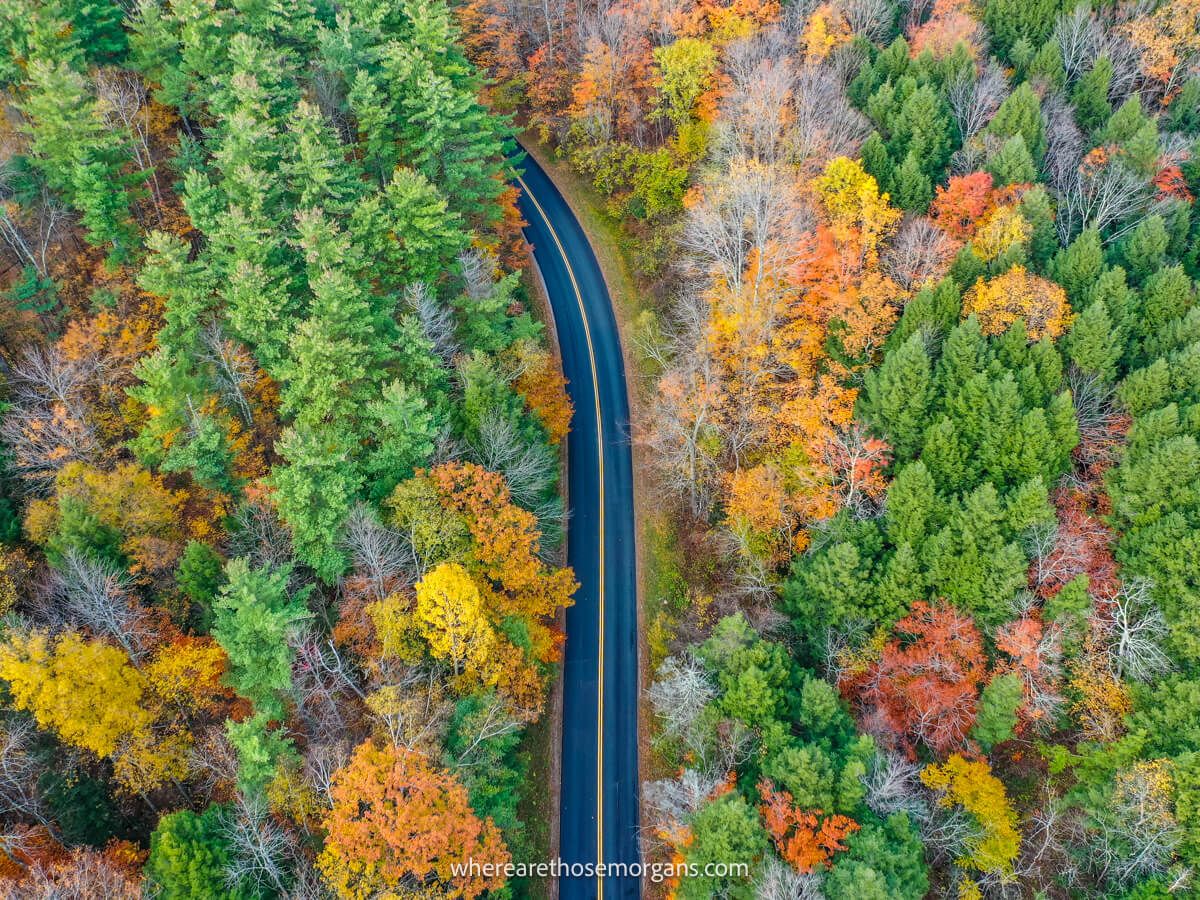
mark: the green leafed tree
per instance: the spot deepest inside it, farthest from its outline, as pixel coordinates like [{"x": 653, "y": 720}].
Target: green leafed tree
[{"x": 254, "y": 615}]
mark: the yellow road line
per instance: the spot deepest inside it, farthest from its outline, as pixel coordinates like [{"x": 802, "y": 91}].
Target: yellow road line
[{"x": 587, "y": 333}]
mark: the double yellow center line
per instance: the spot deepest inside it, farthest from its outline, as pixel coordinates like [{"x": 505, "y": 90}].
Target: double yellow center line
[{"x": 587, "y": 333}]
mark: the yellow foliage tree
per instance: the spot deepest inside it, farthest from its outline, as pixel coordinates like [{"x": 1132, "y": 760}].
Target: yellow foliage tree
[
  {"x": 971, "y": 785},
  {"x": 1000, "y": 229},
  {"x": 15, "y": 568},
  {"x": 1102, "y": 700},
  {"x": 544, "y": 389},
  {"x": 132, "y": 500},
  {"x": 1019, "y": 295},
  {"x": 451, "y": 618},
  {"x": 91, "y": 695},
  {"x": 853, "y": 203},
  {"x": 827, "y": 29},
  {"x": 85, "y": 691},
  {"x": 395, "y": 628},
  {"x": 186, "y": 673}
]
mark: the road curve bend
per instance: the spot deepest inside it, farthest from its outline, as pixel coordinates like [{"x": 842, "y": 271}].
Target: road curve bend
[{"x": 599, "y": 803}]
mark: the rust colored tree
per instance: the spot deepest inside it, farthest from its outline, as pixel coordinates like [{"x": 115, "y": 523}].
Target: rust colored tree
[{"x": 925, "y": 686}]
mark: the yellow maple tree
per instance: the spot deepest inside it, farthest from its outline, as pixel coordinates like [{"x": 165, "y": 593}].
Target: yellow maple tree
[
  {"x": 971, "y": 785},
  {"x": 450, "y": 615},
  {"x": 83, "y": 690},
  {"x": 1019, "y": 295}
]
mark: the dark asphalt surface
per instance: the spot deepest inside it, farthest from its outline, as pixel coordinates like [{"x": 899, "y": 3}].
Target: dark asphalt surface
[{"x": 607, "y": 580}]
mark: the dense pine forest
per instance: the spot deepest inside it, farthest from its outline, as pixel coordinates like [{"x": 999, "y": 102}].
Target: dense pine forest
[
  {"x": 280, "y": 512},
  {"x": 922, "y": 388}
]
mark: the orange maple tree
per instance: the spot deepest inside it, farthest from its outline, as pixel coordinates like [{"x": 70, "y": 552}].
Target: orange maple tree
[
  {"x": 806, "y": 839},
  {"x": 958, "y": 204},
  {"x": 397, "y": 821}
]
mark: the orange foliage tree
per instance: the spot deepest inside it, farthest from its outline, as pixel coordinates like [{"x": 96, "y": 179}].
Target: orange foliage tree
[
  {"x": 806, "y": 839},
  {"x": 958, "y": 204},
  {"x": 397, "y": 825}
]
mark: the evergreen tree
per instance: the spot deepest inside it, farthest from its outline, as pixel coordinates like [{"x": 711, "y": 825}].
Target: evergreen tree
[
  {"x": 261, "y": 752},
  {"x": 254, "y": 614},
  {"x": 1010, "y": 21},
  {"x": 896, "y": 396},
  {"x": 1094, "y": 343},
  {"x": 189, "y": 856},
  {"x": 882, "y": 860},
  {"x": 1078, "y": 266},
  {"x": 1011, "y": 164},
  {"x": 199, "y": 578},
  {"x": 729, "y": 830},
  {"x": 1047, "y": 65},
  {"x": 998, "y": 705},
  {"x": 911, "y": 186},
  {"x": 1021, "y": 114},
  {"x": 1144, "y": 252},
  {"x": 1090, "y": 95}
]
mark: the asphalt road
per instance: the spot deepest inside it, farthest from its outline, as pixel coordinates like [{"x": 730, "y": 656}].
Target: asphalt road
[{"x": 599, "y": 805}]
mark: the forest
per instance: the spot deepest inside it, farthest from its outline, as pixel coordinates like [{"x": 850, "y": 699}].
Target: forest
[
  {"x": 920, "y": 387},
  {"x": 279, "y": 428},
  {"x": 917, "y": 402}
]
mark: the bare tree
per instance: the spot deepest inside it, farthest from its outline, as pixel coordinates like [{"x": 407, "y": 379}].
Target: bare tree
[
  {"x": 437, "y": 321},
  {"x": 412, "y": 706},
  {"x": 779, "y": 881},
  {"x": 20, "y": 770},
  {"x": 233, "y": 368},
  {"x": 123, "y": 103},
  {"x": 755, "y": 106},
  {"x": 870, "y": 18},
  {"x": 671, "y": 802},
  {"x": 529, "y": 468},
  {"x": 1100, "y": 196},
  {"x": 321, "y": 762},
  {"x": 678, "y": 696},
  {"x": 258, "y": 535},
  {"x": 1135, "y": 836},
  {"x": 262, "y": 852},
  {"x": 683, "y": 421},
  {"x": 212, "y": 761},
  {"x": 893, "y": 785},
  {"x": 824, "y": 123},
  {"x": 920, "y": 252},
  {"x": 1136, "y": 631},
  {"x": 47, "y": 425},
  {"x": 1080, "y": 38},
  {"x": 325, "y": 685},
  {"x": 383, "y": 559},
  {"x": 97, "y": 595},
  {"x": 495, "y": 721},
  {"x": 751, "y": 210},
  {"x": 85, "y": 874},
  {"x": 974, "y": 101},
  {"x": 1046, "y": 855},
  {"x": 30, "y": 229}
]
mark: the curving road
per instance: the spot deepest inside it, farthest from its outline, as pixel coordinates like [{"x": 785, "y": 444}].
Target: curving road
[{"x": 599, "y": 804}]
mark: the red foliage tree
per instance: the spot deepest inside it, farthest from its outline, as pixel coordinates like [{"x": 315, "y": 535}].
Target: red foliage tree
[
  {"x": 1080, "y": 545},
  {"x": 925, "y": 685},
  {"x": 1034, "y": 655}
]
